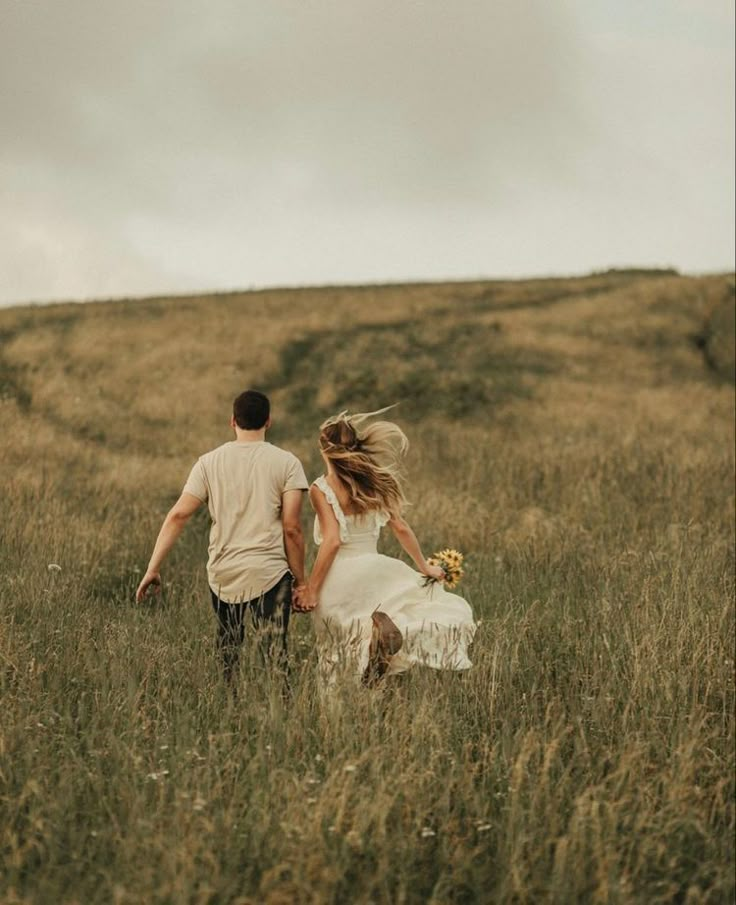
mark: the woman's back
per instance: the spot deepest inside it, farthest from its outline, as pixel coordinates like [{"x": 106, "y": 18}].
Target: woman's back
[
  {"x": 342, "y": 492},
  {"x": 359, "y": 531}
]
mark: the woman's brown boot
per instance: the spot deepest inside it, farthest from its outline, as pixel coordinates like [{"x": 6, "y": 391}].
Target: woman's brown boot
[{"x": 386, "y": 640}]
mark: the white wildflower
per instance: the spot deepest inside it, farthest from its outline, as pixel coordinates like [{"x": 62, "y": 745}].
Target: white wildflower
[
  {"x": 53, "y": 567},
  {"x": 350, "y": 768},
  {"x": 427, "y": 832}
]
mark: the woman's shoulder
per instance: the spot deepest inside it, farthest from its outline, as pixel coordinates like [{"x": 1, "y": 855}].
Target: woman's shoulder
[
  {"x": 336, "y": 491},
  {"x": 326, "y": 489},
  {"x": 321, "y": 483}
]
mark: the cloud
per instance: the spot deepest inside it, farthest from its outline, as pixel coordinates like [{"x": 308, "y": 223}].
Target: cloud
[{"x": 153, "y": 146}]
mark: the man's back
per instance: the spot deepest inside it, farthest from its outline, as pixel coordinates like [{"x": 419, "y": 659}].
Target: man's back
[{"x": 242, "y": 483}]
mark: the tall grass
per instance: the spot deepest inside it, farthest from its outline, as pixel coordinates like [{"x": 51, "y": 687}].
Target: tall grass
[{"x": 587, "y": 757}]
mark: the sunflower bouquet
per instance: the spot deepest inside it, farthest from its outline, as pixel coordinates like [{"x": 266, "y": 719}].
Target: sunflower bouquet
[{"x": 451, "y": 563}]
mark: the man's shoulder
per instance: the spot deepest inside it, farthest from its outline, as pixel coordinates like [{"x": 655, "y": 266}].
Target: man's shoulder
[
  {"x": 279, "y": 452},
  {"x": 213, "y": 454},
  {"x": 287, "y": 467},
  {"x": 267, "y": 451}
]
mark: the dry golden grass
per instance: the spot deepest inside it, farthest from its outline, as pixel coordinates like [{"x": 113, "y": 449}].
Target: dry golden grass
[{"x": 573, "y": 437}]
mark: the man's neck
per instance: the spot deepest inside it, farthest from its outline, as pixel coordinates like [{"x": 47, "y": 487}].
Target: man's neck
[{"x": 242, "y": 436}]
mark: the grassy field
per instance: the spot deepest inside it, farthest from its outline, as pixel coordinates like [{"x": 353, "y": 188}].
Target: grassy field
[{"x": 574, "y": 437}]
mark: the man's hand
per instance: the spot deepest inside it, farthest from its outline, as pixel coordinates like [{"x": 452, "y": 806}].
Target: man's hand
[
  {"x": 303, "y": 600},
  {"x": 173, "y": 525},
  {"x": 152, "y": 581}
]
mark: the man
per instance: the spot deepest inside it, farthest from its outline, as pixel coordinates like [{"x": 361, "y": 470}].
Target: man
[{"x": 254, "y": 494}]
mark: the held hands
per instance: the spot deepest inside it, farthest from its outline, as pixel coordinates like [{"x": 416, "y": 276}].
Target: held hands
[
  {"x": 303, "y": 599},
  {"x": 151, "y": 581}
]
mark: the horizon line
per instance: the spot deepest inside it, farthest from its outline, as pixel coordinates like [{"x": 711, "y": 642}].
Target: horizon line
[{"x": 654, "y": 270}]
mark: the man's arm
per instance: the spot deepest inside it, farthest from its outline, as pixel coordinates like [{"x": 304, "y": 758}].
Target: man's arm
[
  {"x": 291, "y": 512},
  {"x": 173, "y": 525}
]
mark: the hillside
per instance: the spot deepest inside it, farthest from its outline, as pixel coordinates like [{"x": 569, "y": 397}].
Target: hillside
[
  {"x": 574, "y": 437},
  {"x": 153, "y": 376}
]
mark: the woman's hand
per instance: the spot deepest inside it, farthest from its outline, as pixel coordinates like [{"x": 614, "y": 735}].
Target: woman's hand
[{"x": 436, "y": 572}]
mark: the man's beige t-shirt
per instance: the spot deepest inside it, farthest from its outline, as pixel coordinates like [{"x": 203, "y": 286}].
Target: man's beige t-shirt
[{"x": 242, "y": 484}]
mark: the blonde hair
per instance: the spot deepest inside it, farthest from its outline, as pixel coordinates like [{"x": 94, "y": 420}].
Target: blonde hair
[{"x": 367, "y": 458}]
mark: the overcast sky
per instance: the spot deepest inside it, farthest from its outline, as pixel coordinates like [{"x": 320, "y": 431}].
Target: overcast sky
[{"x": 150, "y": 146}]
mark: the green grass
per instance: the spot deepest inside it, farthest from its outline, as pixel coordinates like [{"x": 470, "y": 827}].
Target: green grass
[{"x": 589, "y": 754}]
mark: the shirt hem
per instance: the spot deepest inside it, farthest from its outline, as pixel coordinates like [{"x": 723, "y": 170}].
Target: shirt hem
[{"x": 240, "y": 597}]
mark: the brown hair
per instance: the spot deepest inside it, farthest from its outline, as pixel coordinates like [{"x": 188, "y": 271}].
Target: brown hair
[
  {"x": 367, "y": 459},
  {"x": 251, "y": 410}
]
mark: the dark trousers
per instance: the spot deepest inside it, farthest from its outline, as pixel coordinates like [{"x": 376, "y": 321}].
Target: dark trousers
[{"x": 269, "y": 615}]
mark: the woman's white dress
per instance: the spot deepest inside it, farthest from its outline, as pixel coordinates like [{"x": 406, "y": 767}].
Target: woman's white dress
[{"x": 437, "y": 626}]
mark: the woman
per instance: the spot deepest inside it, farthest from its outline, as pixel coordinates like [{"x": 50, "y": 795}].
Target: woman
[{"x": 373, "y": 610}]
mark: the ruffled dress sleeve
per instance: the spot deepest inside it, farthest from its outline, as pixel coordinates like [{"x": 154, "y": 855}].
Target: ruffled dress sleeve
[{"x": 331, "y": 498}]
